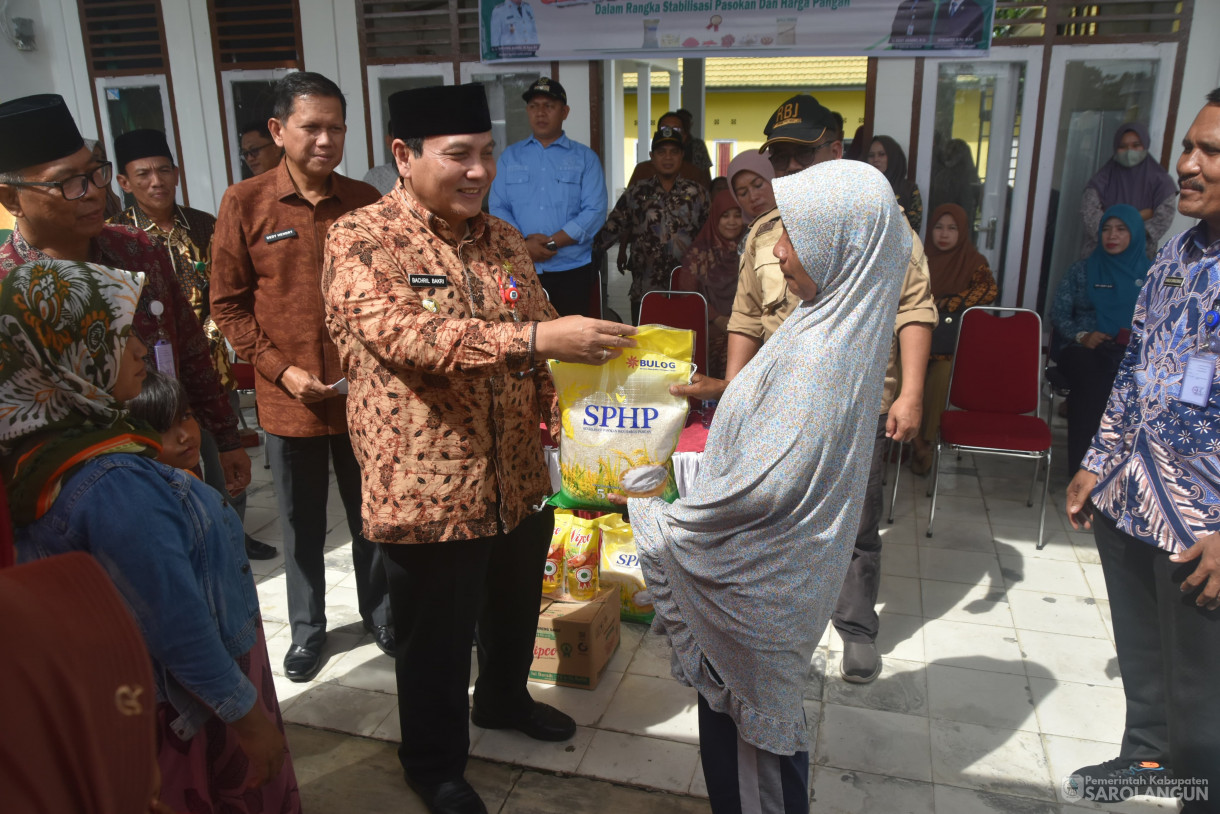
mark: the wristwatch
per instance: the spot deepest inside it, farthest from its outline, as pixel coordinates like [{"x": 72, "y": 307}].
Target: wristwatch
[{"x": 1080, "y": 335}]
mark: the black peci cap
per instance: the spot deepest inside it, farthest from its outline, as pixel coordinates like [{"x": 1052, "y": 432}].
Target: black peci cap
[
  {"x": 440, "y": 110},
  {"x": 139, "y": 144},
  {"x": 35, "y": 130}
]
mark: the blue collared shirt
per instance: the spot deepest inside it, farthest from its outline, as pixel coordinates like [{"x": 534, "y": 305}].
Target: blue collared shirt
[
  {"x": 543, "y": 190},
  {"x": 1157, "y": 458}
]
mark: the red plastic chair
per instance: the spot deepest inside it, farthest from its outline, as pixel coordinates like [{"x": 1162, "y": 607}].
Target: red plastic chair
[
  {"x": 679, "y": 309},
  {"x": 994, "y": 386}
]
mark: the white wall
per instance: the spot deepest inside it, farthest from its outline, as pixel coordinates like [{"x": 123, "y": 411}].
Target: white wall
[
  {"x": 892, "y": 111},
  {"x": 331, "y": 45},
  {"x": 58, "y": 63},
  {"x": 574, "y": 76},
  {"x": 192, "y": 69},
  {"x": 1201, "y": 76}
]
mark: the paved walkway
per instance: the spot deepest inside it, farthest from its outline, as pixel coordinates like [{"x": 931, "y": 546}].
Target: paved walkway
[{"x": 1000, "y": 679}]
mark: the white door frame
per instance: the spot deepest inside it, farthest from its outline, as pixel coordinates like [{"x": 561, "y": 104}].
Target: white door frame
[
  {"x": 226, "y": 78},
  {"x": 1164, "y": 52},
  {"x": 440, "y": 70},
  {"x": 101, "y": 83},
  {"x": 1031, "y": 57}
]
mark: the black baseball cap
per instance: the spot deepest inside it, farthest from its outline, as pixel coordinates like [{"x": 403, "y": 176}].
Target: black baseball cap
[
  {"x": 667, "y": 135},
  {"x": 801, "y": 120},
  {"x": 546, "y": 86}
]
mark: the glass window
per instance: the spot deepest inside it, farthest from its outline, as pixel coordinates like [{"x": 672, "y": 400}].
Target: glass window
[{"x": 509, "y": 121}]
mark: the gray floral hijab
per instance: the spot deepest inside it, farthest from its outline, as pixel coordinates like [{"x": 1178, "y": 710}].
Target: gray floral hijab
[
  {"x": 63, "y": 327},
  {"x": 745, "y": 569}
]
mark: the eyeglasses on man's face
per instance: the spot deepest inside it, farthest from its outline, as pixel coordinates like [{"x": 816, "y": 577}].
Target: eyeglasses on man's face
[
  {"x": 782, "y": 155},
  {"x": 75, "y": 186},
  {"x": 253, "y": 152}
]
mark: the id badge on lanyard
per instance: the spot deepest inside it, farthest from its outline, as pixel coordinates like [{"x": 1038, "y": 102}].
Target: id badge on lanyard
[{"x": 1200, "y": 370}]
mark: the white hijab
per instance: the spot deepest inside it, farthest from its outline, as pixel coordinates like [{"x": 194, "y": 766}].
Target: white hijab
[{"x": 745, "y": 570}]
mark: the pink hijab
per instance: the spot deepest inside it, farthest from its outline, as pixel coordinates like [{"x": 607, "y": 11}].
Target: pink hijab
[{"x": 749, "y": 161}]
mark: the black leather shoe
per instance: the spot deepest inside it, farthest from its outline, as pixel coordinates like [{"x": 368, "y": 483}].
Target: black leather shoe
[
  {"x": 544, "y": 723},
  {"x": 450, "y": 797},
  {"x": 383, "y": 635},
  {"x": 258, "y": 550},
  {"x": 301, "y": 663}
]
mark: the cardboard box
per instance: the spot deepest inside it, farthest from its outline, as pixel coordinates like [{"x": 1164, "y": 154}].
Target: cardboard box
[{"x": 575, "y": 640}]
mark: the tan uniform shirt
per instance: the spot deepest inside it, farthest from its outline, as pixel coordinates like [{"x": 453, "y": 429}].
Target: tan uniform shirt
[
  {"x": 444, "y": 404},
  {"x": 763, "y": 301}
]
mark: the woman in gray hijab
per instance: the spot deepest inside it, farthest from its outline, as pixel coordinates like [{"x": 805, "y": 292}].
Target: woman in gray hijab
[{"x": 745, "y": 570}]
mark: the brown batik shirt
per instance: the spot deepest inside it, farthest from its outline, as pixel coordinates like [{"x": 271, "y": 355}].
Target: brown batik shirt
[
  {"x": 266, "y": 298},
  {"x": 445, "y": 399}
]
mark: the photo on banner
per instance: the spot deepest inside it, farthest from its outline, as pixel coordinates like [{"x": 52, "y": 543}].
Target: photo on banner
[{"x": 516, "y": 30}]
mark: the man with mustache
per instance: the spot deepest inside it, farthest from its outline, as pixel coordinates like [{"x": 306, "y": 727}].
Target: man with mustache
[
  {"x": 267, "y": 300},
  {"x": 1148, "y": 489}
]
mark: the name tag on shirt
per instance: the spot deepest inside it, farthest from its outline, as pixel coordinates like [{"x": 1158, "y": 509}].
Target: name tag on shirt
[
  {"x": 1103, "y": 285},
  {"x": 286, "y": 233},
  {"x": 428, "y": 280},
  {"x": 1174, "y": 281},
  {"x": 1197, "y": 380}
]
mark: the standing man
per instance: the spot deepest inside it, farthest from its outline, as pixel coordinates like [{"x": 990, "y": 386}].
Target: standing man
[
  {"x": 692, "y": 172},
  {"x": 448, "y": 385},
  {"x": 266, "y": 266},
  {"x": 656, "y": 219},
  {"x": 56, "y": 191},
  {"x": 802, "y": 133},
  {"x": 147, "y": 173},
  {"x": 1148, "y": 487},
  {"x": 258, "y": 149},
  {"x": 553, "y": 191}
]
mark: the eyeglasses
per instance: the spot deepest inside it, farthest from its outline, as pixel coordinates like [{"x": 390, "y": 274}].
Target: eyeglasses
[
  {"x": 76, "y": 186},
  {"x": 254, "y": 151},
  {"x": 781, "y": 157}
]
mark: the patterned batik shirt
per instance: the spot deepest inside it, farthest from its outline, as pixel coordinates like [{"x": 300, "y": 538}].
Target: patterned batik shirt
[
  {"x": 445, "y": 395},
  {"x": 1157, "y": 458},
  {"x": 659, "y": 227},
  {"x": 189, "y": 245}
]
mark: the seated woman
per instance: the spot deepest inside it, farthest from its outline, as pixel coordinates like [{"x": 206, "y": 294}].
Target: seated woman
[
  {"x": 81, "y": 477},
  {"x": 885, "y": 154},
  {"x": 711, "y": 269},
  {"x": 745, "y": 570},
  {"x": 961, "y": 279},
  {"x": 1092, "y": 314},
  {"x": 750, "y": 176},
  {"x": 1132, "y": 177}
]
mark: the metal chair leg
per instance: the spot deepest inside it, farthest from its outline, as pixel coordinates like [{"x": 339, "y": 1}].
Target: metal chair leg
[
  {"x": 897, "y": 475},
  {"x": 1034, "y": 486},
  {"x": 935, "y": 483},
  {"x": 1045, "y": 488},
  {"x": 885, "y": 466}
]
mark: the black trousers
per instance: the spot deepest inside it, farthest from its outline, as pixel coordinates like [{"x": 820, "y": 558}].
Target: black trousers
[
  {"x": 300, "y": 470},
  {"x": 855, "y": 616},
  {"x": 570, "y": 291},
  {"x": 439, "y": 593},
  {"x": 1169, "y": 657},
  {"x": 1090, "y": 373},
  {"x": 743, "y": 778}
]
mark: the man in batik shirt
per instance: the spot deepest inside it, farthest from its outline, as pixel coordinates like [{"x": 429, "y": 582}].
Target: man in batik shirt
[
  {"x": 1150, "y": 488},
  {"x": 658, "y": 217},
  {"x": 147, "y": 172}
]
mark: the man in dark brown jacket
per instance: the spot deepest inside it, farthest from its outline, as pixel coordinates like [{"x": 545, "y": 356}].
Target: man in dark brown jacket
[{"x": 267, "y": 300}]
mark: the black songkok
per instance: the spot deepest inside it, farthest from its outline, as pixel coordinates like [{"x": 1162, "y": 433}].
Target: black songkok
[
  {"x": 35, "y": 130},
  {"x": 440, "y": 110},
  {"x": 139, "y": 144}
]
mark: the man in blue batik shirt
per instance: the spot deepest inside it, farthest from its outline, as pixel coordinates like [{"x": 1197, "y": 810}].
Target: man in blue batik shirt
[
  {"x": 553, "y": 190},
  {"x": 1150, "y": 488}
]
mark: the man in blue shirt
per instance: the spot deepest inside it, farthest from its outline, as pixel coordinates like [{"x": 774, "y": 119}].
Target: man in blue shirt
[
  {"x": 1150, "y": 488},
  {"x": 553, "y": 190}
]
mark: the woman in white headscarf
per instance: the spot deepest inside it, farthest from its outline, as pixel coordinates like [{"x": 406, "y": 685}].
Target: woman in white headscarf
[{"x": 745, "y": 570}]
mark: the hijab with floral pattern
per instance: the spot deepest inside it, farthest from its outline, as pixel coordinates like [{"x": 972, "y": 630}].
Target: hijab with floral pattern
[{"x": 63, "y": 327}]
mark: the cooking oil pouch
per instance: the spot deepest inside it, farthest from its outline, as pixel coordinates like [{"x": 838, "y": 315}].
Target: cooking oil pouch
[
  {"x": 581, "y": 559},
  {"x": 621, "y": 567},
  {"x": 554, "y": 583},
  {"x": 620, "y": 423}
]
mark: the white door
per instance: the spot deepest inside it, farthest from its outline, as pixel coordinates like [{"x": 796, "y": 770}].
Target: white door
[{"x": 973, "y": 151}]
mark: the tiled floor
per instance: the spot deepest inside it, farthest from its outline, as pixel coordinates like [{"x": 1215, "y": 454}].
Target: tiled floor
[{"x": 1000, "y": 674}]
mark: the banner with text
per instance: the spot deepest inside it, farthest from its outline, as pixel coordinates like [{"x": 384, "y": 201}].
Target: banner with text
[{"x": 515, "y": 30}]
